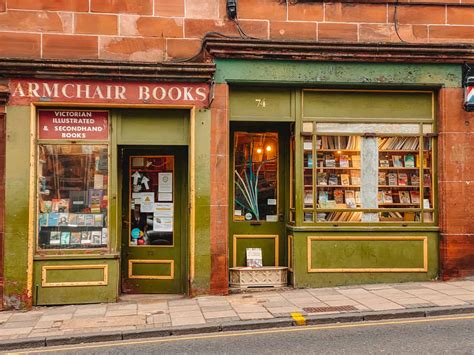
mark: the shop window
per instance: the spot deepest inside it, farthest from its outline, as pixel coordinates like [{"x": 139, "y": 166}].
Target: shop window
[
  {"x": 255, "y": 177},
  {"x": 73, "y": 196},
  {"x": 371, "y": 173}
]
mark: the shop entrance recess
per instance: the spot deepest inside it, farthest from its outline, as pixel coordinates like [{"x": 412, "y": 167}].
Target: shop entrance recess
[
  {"x": 259, "y": 181},
  {"x": 154, "y": 202}
]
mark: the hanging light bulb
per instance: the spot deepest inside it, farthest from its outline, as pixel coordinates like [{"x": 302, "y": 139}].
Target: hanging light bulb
[
  {"x": 269, "y": 148},
  {"x": 259, "y": 150}
]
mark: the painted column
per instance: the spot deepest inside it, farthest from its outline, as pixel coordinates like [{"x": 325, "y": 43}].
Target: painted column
[{"x": 369, "y": 176}]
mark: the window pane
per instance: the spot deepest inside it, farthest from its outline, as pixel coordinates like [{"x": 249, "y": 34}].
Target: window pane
[
  {"x": 255, "y": 176},
  {"x": 151, "y": 183},
  {"x": 73, "y": 201}
]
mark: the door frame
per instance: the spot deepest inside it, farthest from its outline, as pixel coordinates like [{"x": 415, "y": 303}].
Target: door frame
[
  {"x": 284, "y": 137},
  {"x": 175, "y": 150}
]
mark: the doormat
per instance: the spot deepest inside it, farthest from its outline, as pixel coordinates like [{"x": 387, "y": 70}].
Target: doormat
[{"x": 329, "y": 309}]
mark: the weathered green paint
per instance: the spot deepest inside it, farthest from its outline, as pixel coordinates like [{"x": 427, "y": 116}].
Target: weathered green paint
[
  {"x": 383, "y": 106},
  {"x": 324, "y": 73},
  {"x": 177, "y": 253},
  {"x": 75, "y": 294},
  {"x": 202, "y": 165},
  {"x": 255, "y": 104},
  {"x": 362, "y": 254},
  {"x": 264, "y": 228},
  {"x": 16, "y": 202},
  {"x": 153, "y": 127}
]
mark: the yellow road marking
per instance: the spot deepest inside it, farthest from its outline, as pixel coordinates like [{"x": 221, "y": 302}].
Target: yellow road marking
[
  {"x": 298, "y": 318},
  {"x": 243, "y": 333}
]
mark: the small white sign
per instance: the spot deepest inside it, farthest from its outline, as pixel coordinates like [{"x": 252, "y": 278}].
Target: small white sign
[
  {"x": 147, "y": 202},
  {"x": 254, "y": 257},
  {"x": 165, "y": 196},
  {"x": 162, "y": 224},
  {"x": 163, "y": 209},
  {"x": 165, "y": 182},
  {"x": 272, "y": 218},
  {"x": 272, "y": 202},
  {"x": 308, "y": 145}
]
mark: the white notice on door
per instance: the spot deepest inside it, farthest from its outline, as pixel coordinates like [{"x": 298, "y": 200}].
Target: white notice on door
[
  {"x": 162, "y": 224},
  {"x": 148, "y": 202},
  {"x": 165, "y": 182},
  {"x": 163, "y": 209}
]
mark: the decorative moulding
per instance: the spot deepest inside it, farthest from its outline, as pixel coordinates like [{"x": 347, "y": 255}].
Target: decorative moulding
[{"x": 266, "y": 276}]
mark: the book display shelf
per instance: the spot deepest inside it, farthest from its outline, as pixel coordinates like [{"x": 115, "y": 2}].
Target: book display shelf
[
  {"x": 72, "y": 196},
  {"x": 396, "y": 185}
]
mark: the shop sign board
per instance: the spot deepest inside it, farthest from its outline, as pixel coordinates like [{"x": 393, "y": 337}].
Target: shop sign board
[
  {"x": 73, "y": 124},
  {"x": 27, "y": 91}
]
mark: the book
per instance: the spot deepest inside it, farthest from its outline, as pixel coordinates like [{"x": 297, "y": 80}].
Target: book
[
  {"x": 355, "y": 177},
  {"x": 425, "y": 161},
  {"x": 65, "y": 237},
  {"x": 43, "y": 219},
  {"x": 380, "y": 197},
  {"x": 72, "y": 219},
  {"x": 404, "y": 197},
  {"x": 382, "y": 178},
  {"x": 427, "y": 180},
  {"x": 384, "y": 163},
  {"x": 357, "y": 197},
  {"x": 330, "y": 160},
  {"x": 75, "y": 238},
  {"x": 350, "y": 199},
  {"x": 60, "y": 205},
  {"x": 95, "y": 200},
  {"x": 96, "y": 237},
  {"x": 345, "y": 179},
  {"x": 409, "y": 161},
  {"x": 339, "y": 196},
  {"x": 344, "y": 161},
  {"x": 80, "y": 219},
  {"x": 322, "y": 179},
  {"x": 397, "y": 161},
  {"x": 355, "y": 161},
  {"x": 415, "y": 197},
  {"x": 387, "y": 197},
  {"x": 323, "y": 198},
  {"x": 309, "y": 161},
  {"x": 402, "y": 179},
  {"x": 55, "y": 238},
  {"x": 46, "y": 206},
  {"x": 98, "y": 220},
  {"x": 308, "y": 197},
  {"x": 78, "y": 200},
  {"x": 426, "y": 203},
  {"x": 414, "y": 180},
  {"x": 53, "y": 219},
  {"x": 89, "y": 220},
  {"x": 86, "y": 237},
  {"x": 63, "y": 219},
  {"x": 333, "y": 180},
  {"x": 105, "y": 236},
  {"x": 392, "y": 179}
]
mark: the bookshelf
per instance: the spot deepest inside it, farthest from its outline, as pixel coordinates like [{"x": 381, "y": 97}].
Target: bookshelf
[{"x": 334, "y": 187}]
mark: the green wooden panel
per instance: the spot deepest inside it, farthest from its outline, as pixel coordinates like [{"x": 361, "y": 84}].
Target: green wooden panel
[
  {"x": 266, "y": 244},
  {"x": 257, "y": 104},
  {"x": 142, "y": 269},
  {"x": 157, "y": 127},
  {"x": 79, "y": 275},
  {"x": 335, "y": 254},
  {"x": 75, "y": 294},
  {"x": 368, "y": 104},
  {"x": 329, "y": 73},
  {"x": 402, "y": 254}
]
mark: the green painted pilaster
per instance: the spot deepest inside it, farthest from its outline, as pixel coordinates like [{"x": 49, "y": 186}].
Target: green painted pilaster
[
  {"x": 203, "y": 199},
  {"x": 16, "y": 206}
]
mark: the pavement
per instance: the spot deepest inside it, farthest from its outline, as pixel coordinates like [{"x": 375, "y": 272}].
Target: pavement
[{"x": 136, "y": 316}]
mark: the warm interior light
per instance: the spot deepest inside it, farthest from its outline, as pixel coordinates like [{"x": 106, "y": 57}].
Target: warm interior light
[
  {"x": 259, "y": 150},
  {"x": 269, "y": 148},
  {"x": 339, "y": 152}
]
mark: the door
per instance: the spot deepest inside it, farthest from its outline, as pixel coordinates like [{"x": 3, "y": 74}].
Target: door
[
  {"x": 259, "y": 192},
  {"x": 154, "y": 201}
]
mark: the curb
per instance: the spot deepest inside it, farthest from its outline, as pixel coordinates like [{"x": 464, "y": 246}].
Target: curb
[{"x": 40, "y": 342}]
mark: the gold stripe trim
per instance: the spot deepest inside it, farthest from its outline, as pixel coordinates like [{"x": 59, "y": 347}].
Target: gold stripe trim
[
  {"x": 254, "y": 236},
  {"x": 424, "y": 239},
  {"x": 103, "y": 282},
  {"x": 146, "y": 277},
  {"x": 290, "y": 253}
]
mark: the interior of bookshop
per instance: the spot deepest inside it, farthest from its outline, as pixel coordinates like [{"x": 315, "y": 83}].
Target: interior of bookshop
[
  {"x": 72, "y": 196},
  {"x": 368, "y": 177}
]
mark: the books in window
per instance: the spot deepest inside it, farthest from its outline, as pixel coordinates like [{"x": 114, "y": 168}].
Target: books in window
[
  {"x": 340, "y": 217},
  {"x": 409, "y": 160},
  {"x": 392, "y": 179},
  {"x": 330, "y": 160},
  {"x": 404, "y": 197},
  {"x": 322, "y": 178},
  {"x": 384, "y": 163},
  {"x": 414, "y": 179},
  {"x": 339, "y": 196},
  {"x": 355, "y": 159},
  {"x": 402, "y": 179},
  {"x": 355, "y": 177},
  {"x": 399, "y": 143},
  {"x": 350, "y": 198},
  {"x": 333, "y": 180},
  {"x": 387, "y": 197},
  {"x": 415, "y": 197},
  {"x": 344, "y": 161},
  {"x": 427, "y": 180},
  {"x": 382, "y": 178},
  {"x": 345, "y": 179},
  {"x": 397, "y": 161}
]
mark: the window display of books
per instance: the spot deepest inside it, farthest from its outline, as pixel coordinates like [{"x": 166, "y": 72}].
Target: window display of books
[
  {"x": 337, "y": 169},
  {"x": 73, "y": 203}
]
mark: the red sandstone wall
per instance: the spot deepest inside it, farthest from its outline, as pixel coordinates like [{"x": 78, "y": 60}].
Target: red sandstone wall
[
  {"x": 456, "y": 185},
  {"x": 155, "y": 30},
  {"x": 2, "y": 195}
]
